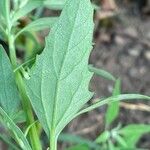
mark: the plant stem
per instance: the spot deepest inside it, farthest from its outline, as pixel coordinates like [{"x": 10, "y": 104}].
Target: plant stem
[
  {"x": 53, "y": 141},
  {"x": 33, "y": 134}
]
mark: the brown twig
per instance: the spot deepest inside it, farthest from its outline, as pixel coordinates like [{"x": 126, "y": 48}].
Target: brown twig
[{"x": 139, "y": 106}]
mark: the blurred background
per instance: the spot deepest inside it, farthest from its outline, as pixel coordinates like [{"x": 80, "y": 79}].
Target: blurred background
[{"x": 121, "y": 46}]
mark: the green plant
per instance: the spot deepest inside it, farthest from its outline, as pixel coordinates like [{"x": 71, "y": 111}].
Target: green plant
[{"x": 57, "y": 83}]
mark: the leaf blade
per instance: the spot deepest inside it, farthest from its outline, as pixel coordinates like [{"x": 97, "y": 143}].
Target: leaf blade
[
  {"x": 9, "y": 97},
  {"x": 16, "y": 130},
  {"x": 39, "y": 24},
  {"x": 132, "y": 133},
  {"x": 113, "y": 108},
  {"x": 112, "y": 99},
  {"x": 63, "y": 79},
  {"x": 31, "y": 5}
]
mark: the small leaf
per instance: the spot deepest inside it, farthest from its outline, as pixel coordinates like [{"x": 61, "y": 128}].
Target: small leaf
[
  {"x": 103, "y": 137},
  {"x": 75, "y": 139},
  {"x": 58, "y": 87},
  {"x": 9, "y": 97},
  {"x": 133, "y": 132},
  {"x": 30, "y": 5},
  {"x": 113, "y": 108},
  {"x": 16, "y": 130},
  {"x": 102, "y": 73},
  {"x": 39, "y": 24}
]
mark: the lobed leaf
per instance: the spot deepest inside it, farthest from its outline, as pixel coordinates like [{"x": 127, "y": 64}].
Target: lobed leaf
[
  {"x": 9, "y": 97},
  {"x": 58, "y": 87}
]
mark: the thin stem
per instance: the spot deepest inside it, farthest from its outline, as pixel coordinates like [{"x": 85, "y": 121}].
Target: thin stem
[{"x": 33, "y": 134}]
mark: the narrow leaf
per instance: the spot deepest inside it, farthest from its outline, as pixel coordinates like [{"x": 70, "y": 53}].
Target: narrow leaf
[
  {"x": 31, "y": 5},
  {"x": 8, "y": 141},
  {"x": 39, "y": 24},
  {"x": 102, "y": 73},
  {"x": 113, "y": 108},
  {"x": 16, "y": 130},
  {"x": 58, "y": 87},
  {"x": 9, "y": 97},
  {"x": 111, "y": 100}
]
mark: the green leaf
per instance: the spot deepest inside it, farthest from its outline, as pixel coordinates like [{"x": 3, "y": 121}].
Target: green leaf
[
  {"x": 58, "y": 87},
  {"x": 113, "y": 108},
  {"x": 39, "y": 24},
  {"x": 102, "y": 73},
  {"x": 111, "y": 145},
  {"x": 111, "y": 100},
  {"x": 55, "y": 4},
  {"x": 16, "y": 130},
  {"x": 75, "y": 139},
  {"x": 31, "y": 5},
  {"x": 8, "y": 141},
  {"x": 4, "y": 8},
  {"x": 121, "y": 141},
  {"x": 103, "y": 137},
  {"x": 133, "y": 132},
  {"x": 79, "y": 147},
  {"x": 9, "y": 97}
]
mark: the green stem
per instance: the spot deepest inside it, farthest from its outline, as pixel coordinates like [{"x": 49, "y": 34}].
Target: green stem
[
  {"x": 33, "y": 134},
  {"x": 53, "y": 141}
]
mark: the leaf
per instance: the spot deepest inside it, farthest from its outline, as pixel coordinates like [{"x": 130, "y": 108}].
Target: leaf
[
  {"x": 58, "y": 87},
  {"x": 103, "y": 137},
  {"x": 79, "y": 147},
  {"x": 9, "y": 97},
  {"x": 16, "y": 130},
  {"x": 75, "y": 139},
  {"x": 102, "y": 73},
  {"x": 133, "y": 132},
  {"x": 39, "y": 24},
  {"x": 111, "y": 100},
  {"x": 8, "y": 141},
  {"x": 30, "y": 5},
  {"x": 113, "y": 108},
  {"x": 55, "y": 4},
  {"x": 4, "y": 8}
]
